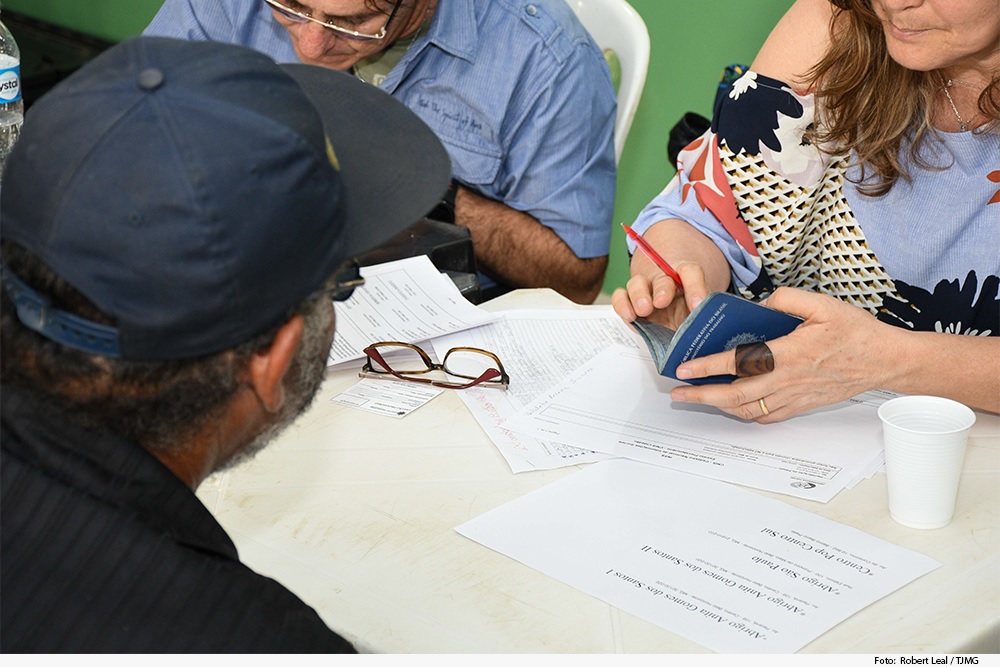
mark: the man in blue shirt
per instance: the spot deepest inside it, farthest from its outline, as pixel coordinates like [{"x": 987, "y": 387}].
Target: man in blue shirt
[{"x": 516, "y": 90}]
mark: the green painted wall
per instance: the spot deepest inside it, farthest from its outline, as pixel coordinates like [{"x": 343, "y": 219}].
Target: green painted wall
[
  {"x": 692, "y": 41},
  {"x": 112, "y": 20}
]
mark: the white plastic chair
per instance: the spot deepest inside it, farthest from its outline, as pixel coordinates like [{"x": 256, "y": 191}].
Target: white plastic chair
[{"x": 614, "y": 24}]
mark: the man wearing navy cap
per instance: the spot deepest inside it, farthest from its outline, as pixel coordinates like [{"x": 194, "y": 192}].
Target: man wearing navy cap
[{"x": 175, "y": 220}]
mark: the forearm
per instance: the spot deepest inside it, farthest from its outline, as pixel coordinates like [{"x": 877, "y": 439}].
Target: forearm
[
  {"x": 680, "y": 243},
  {"x": 516, "y": 249},
  {"x": 963, "y": 368}
]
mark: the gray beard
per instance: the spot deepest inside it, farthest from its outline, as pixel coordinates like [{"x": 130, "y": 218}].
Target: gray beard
[{"x": 302, "y": 382}]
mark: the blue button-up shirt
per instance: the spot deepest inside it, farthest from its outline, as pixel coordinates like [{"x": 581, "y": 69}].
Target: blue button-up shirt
[{"x": 517, "y": 91}]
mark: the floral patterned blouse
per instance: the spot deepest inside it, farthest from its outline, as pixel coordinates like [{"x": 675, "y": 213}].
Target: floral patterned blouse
[{"x": 925, "y": 256}]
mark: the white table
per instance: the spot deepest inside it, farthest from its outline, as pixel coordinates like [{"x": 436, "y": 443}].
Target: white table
[{"x": 355, "y": 513}]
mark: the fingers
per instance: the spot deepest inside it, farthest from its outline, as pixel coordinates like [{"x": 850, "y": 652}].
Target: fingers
[
  {"x": 639, "y": 294},
  {"x": 745, "y": 360},
  {"x": 829, "y": 358},
  {"x": 695, "y": 286},
  {"x": 763, "y": 407},
  {"x": 753, "y": 359},
  {"x": 749, "y": 397},
  {"x": 622, "y": 304},
  {"x": 765, "y": 410},
  {"x": 650, "y": 290},
  {"x": 746, "y": 399},
  {"x": 641, "y": 297},
  {"x": 664, "y": 291}
]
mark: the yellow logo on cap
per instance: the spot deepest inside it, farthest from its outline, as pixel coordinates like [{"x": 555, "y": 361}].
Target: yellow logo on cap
[{"x": 331, "y": 155}]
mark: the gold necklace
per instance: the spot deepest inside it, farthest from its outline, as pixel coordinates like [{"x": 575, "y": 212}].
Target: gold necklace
[
  {"x": 964, "y": 83},
  {"x": 962, "y": 125}
]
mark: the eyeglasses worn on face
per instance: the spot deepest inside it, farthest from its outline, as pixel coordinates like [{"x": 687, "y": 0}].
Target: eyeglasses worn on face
[
  {"x": 297, "y": 16},
  {"x": 344, "y": 281},
  {"x": 405, "y": 361}
]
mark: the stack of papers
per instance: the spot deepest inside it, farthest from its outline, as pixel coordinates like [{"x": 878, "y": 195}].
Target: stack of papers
[
  {"x": 408, "y": 301},
  {"x": 584, "y": 388},
  {"x": 615, "y": 404},
  {"x": 540, "y": 349}
]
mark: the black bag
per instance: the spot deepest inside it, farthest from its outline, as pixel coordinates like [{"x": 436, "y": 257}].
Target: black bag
[
  {"x": 448, "y": 246},
  {"x": 693, "y": 125}
]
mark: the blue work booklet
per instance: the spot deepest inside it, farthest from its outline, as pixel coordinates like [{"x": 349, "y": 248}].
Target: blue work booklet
[{"x": 719, "y": 323}]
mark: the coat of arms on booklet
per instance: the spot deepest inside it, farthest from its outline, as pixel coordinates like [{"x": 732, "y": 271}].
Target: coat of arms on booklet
[{"x": 719, "y": 323}]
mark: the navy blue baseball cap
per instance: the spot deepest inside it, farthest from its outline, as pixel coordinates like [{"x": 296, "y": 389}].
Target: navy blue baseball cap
[{"x": 196, "y": 192}]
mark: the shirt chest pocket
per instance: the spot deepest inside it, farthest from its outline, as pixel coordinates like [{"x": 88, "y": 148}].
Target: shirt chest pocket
[{"x": 468, "y": 133}]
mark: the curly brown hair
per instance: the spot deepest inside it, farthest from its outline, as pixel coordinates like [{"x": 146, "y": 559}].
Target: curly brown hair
[{"x": 868, "y": 103}]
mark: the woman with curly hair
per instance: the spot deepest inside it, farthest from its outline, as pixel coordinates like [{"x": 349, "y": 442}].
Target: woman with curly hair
[{"x": 851, "y": 178}]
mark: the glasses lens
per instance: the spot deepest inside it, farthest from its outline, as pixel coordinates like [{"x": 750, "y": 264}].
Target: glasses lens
[
  {"x": 348, "y": 29},
  {"x": 400, "y": 358},
  {"x": 344, "y": 281},
  {"x": 286, "y": 12},
  {"x": 468, "y": 363}
]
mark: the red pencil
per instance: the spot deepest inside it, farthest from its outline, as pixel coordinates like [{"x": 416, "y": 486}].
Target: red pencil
[{"x": 652, "y": 254}]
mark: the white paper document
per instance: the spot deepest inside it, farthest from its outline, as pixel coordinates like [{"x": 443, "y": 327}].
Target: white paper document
[
  {"x": 538, "y": 348},
  {"x": 722, "y": 566},
  {"x": 617, "y": 404},
  {"x": 386, "y": 397},
  {"x": 408, "y": 301}
]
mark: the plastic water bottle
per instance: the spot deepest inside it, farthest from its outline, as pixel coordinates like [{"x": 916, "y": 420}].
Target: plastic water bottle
[{"x": 11, "y": 104}]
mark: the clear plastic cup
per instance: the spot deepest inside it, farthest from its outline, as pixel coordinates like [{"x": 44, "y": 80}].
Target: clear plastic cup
[{"x": 925, "y": 439}]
